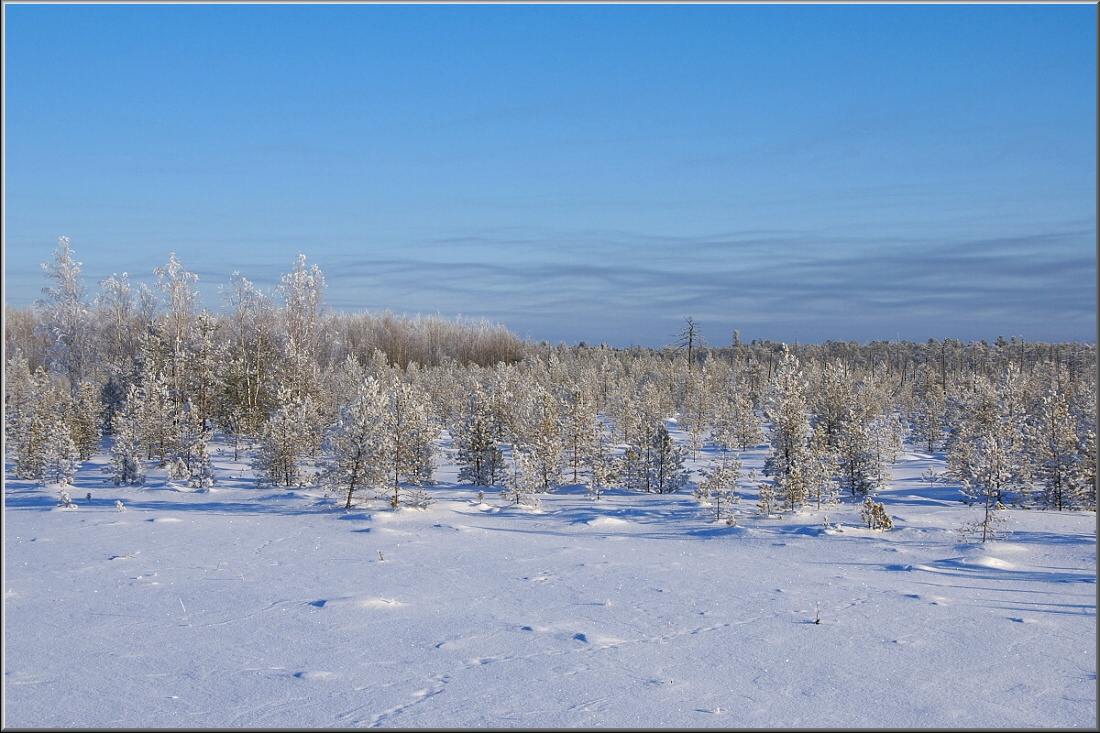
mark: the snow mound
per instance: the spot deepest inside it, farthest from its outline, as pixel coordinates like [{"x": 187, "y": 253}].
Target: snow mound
[
  {"x": 366, "y": 602},
  {"x": 992, "y": 562},
  {"x": 607, "y": 522}
]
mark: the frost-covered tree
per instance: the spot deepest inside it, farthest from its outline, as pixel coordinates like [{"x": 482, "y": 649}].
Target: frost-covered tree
[
  {"x": 666, "y": 472},
  {"x": 718, "y": 488},
  {"x": 605, "y": 466},
  {"x": 191, "y": 455},
  {"x": 736, "y": 426},
  {"x": 852, "y": 423},
  {"x": 205, "y": 356},
  {"x": 180, "y": 301},
  {"x": 479, "y": 455},
  {"x": 158, "y": 413},
  {"x": 525, "y": 483},
  {"x": 303, "y": 290},
  {"x": 1054, "y": 448},
  {"x": 39, "y": 428},
  {"x": 1086, "y": 469},
  {"x": 60, "y": 458},
  {"x": 119, "y": 325},
  {"x": 539, "y": 436},
  {"x": 766, "y": 500},
  {"x": 873, "y": 513},
  {"x": 409, "y": 447},
  {"x": 287, "y": 437},
  {"x": 127, "y": 453},
  {"x": 86, "y": 421},
  {"x": 928, "y": 414},
  {"x": 356, "y": 442},
  {"x": 986, "y": 451},
  {"x": 786, "y": 408},
  {"x": 579, "y": 430},
  {"x": 822, "y": 487},
  {"x": 22, "y": 436},
  {"x": 64, "y": 316},
  {"x": 639, "y": 410},
  {"x": 887, "y": 437},
  {"x": 250, "y": 328}
]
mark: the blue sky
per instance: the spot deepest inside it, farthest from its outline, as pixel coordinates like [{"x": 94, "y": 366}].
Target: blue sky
[{"x": 576, "y": 172}]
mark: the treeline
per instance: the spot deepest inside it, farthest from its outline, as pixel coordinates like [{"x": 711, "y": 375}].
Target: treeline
[{"x": 355, "y": 403}]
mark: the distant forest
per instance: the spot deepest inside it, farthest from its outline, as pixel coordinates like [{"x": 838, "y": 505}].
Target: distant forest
[{"x": 356, "y": 402}]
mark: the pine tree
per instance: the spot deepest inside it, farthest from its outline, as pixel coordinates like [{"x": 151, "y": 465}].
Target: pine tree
[
  {"x": 821, "y": 472},
  {"x": 409, "y": 445},
  {"x": 1086, "y": 469},
  {"x": 23, "y": 436},
  {"x": 766, "y": 500},
  {"x": 735, "y": 424},
  {"x": 526, "y": 481},
  {"x": 42, "y": 444},
  {"x": 578, "y": 430},
  {"x": 789, "y": 458},
  {"x": 929, "y": 412},
  {"x": 605, "y": 466},
  {"x": 479, "y": 455},
  {"x": 986, "y": 450},
  {"x": 1054, "y": 447},
  {"x": 719, "y": 487},
  {"x": 87, "y": 419},
  {"x": 355, "y": 443},
  {"x": 59, "y": 457},
  {"x": 205, "y": 356},
  {"x": 666, "y": 467},
  {"x": 873, "y": 513},
  {"x": 538, "y": 437},
  {"x": 191, "y": 457},
  {"x": 285, "y": 440},
  {"x": 303, "y": 294},
  {"x": 126, "y": 465},
  {"x": 158, "y": 411}
]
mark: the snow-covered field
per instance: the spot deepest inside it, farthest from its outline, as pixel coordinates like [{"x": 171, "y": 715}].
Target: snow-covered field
[{"x": 246, "y": 606}]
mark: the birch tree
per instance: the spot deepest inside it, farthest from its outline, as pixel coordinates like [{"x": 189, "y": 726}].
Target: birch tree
[{"x": 65, "y": 316}]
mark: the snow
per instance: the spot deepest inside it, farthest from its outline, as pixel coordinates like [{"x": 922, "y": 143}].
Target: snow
[{"x": 254, "y": 607}]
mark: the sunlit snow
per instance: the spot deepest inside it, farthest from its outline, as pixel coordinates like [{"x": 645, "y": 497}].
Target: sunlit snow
[{"x": 246, "y": 606}]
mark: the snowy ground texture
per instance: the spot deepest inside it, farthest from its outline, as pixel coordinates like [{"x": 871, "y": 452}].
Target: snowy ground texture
[{"x": 251, "y": 607}]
